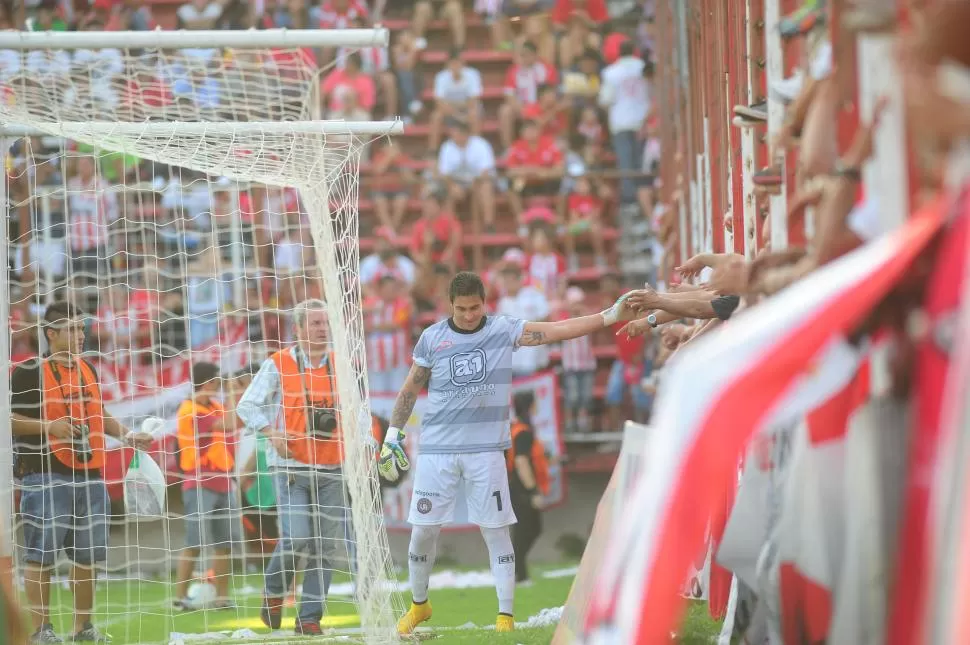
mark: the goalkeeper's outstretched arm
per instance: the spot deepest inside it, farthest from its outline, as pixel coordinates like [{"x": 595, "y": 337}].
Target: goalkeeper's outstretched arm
[
  {"x": 417, "y": 380},
  {"x": 543, "y": 333}
]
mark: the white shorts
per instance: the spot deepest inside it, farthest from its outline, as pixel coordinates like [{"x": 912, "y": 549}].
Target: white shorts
[{"x": 486, "y": 485}]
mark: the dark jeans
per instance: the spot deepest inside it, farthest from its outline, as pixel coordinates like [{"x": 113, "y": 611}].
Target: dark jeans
[
  {"x": 629, "y": 157},
  {"x": 524, "y": 533},
  {"x": 313, "y": 516}
]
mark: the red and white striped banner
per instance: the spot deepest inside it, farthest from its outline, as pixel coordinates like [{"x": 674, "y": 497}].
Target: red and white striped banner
[
  {"x": 770, "y": 365},
  {"x": 935, "y": 404},
  {"x": 125, "y": 381}
]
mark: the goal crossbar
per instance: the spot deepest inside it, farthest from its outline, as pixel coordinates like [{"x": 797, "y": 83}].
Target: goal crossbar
[
  {"x": 200, "y": 128},
  {"x": 183, "y": 39}
]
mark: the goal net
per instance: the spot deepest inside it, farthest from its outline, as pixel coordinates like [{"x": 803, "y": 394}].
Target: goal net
[{"x": 186, "y": 201}]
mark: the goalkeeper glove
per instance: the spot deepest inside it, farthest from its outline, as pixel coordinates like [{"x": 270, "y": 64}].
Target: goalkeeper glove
[
  {"x": 393, "y": 460},
  {"x": 617, "y": 312}
]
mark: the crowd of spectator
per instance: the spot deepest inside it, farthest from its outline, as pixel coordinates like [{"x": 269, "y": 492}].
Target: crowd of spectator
[
  {"x": 827, "y": 188},
  {"x": 561, "y": 143}
]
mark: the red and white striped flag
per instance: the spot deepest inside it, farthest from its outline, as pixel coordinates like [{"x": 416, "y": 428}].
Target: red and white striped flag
[
  {"x": 767, "y": 366},
  {"x": 951, "y": 584},
  {"x": 933, "y": 393}
]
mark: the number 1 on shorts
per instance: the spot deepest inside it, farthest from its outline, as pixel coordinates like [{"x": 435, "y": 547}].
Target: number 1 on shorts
[{"x": 498, "y": 500}]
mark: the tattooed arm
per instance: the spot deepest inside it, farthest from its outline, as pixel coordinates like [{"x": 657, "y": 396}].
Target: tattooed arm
[
  {"x": 417, "y": 380},
  {"x": 543, "y": 333}
]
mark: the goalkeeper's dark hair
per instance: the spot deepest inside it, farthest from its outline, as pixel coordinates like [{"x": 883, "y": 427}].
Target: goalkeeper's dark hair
[
  {"x": 522, "y": 402},
  {"x": 466, "y": 283}
]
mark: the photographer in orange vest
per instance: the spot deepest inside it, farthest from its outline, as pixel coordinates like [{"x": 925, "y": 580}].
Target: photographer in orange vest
[
  {"x": 528, "y": 481},
  {"x": 206, "y": 444},
  {"x": 59, "y": 426},
  {"x": 292, "y": 401}
]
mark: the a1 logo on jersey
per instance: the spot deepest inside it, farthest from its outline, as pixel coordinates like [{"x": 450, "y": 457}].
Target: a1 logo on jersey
[{"x": 468, "y": 368}]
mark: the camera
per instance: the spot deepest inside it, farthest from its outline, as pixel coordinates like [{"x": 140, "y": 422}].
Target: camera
[
  {"x": 323, "y": 423},
  {"x": 82, "y": 444}
]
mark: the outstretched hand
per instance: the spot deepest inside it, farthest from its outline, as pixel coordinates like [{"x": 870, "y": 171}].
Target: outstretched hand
[
  {"x": 635, "y": 328},
  {"x": 692, "y": 267},
  {"x": 627, "y": 307},
  {"x": 642, "y": 300},
  {"x": 862, "y": 146}
]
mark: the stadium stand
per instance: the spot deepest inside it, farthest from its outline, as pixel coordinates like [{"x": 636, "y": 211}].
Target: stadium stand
[{"x": 506, "y": 78}]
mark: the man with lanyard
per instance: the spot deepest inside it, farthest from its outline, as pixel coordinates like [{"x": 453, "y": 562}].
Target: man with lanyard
[
  {"x": 59, "y": 425},
  {"x": 292, "y": 402}
]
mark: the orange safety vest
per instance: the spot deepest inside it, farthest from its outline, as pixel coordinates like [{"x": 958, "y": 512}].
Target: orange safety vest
[
  {"x": 538, "y": 458},
  {"x": 303, "y": 390},
  {"x": 216, "y": 456},
  {"x": 72, "y": 393}
]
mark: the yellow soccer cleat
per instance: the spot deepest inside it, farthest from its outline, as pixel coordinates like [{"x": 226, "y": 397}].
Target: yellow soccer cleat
[
  {"x": 504, "y": 623},
  {"x": 416, "y": 615}
]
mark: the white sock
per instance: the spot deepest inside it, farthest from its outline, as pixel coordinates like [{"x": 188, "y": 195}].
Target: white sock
[
  {"x": 421, "y": 555},
  {"x": 502, "y": 559}
]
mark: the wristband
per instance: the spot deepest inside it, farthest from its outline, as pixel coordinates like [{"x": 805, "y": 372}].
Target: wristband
[
  {"x": 394, "y": 435},
  {"x": 532, "y": 491}
]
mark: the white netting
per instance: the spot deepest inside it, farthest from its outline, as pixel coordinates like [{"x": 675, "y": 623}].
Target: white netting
[{"x": 186, "y": 239}]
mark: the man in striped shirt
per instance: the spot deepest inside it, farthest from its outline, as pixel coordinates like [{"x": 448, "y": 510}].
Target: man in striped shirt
[
  {"x": 388, "y": 318},
  {"x": 92, "y": 207},
  {"x": 578, "y": 368}
]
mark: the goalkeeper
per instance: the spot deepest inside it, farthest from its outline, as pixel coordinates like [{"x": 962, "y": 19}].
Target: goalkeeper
[{"x": 466, "y": 364}]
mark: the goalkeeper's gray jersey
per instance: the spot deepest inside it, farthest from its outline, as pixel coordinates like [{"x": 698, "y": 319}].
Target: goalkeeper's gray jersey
[{"x": 469, "y": 395}]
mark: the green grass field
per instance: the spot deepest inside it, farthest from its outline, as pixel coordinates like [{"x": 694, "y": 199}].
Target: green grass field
[{"x": 141, "y": 613}]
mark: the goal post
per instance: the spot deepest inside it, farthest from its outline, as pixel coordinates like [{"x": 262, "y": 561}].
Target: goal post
[
  {"x": 7, "y": 536},
  {"x": 186, "y": 39},
  {"x": 181, "y": 177}
]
